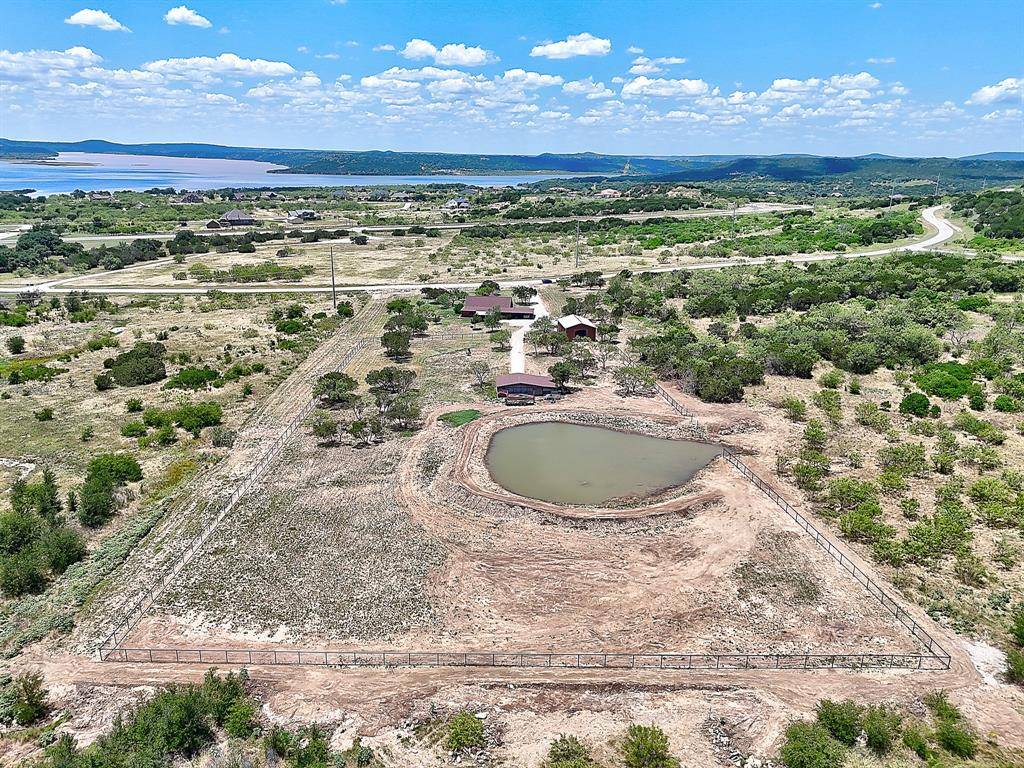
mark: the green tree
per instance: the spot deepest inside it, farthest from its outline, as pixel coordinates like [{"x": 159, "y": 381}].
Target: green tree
[{"x": 646, "y": 746}]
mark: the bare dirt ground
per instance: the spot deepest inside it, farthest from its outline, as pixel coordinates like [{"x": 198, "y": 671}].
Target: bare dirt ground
[{"x": 333, "y": 554}]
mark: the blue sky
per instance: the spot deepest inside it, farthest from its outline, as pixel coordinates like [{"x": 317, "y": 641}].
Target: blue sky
[{"x": 920, "y": 78}]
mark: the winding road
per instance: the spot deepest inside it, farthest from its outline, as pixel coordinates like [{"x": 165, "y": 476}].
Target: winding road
[{"x": 944, "y": 230}]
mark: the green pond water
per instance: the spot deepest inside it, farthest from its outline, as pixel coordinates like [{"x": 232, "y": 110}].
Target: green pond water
[{"x": 577, "y": 464}]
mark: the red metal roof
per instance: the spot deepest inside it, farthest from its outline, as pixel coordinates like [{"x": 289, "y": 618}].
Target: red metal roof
[
  {"x": 533, "y": 380},
  {"x": 476, "y": 303}
]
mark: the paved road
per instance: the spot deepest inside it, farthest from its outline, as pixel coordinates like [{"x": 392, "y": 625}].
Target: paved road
[{"x": 944, "y": 231}]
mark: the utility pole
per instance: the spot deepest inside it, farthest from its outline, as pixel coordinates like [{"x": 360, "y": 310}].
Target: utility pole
[
  {"x": 937, "y": 179},
  {"x": 334, "y": 293},
  {"x": 577, "y": 244},
  {"x": 892, "y": 193}
]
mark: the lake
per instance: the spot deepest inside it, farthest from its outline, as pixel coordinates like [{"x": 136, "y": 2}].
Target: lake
[
  {"x": 108, "y": 172},
  {"x": 578, "y": 464}
]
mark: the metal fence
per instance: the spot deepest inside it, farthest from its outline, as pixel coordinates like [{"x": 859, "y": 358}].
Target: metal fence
[
  {"x": 840, "y": 557},
  {"x": 110, "y": 649},
  {"x": 134, "y": 613},
  {"x": 523, "y": 659}
]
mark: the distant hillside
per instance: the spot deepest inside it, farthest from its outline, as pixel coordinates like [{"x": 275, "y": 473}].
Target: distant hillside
[
  {"x": 856, "y": 170},
  {"x": 854, "y": 173},
  {"x": 1014, "y": 156},
  {"x": 369, "y": 163}
]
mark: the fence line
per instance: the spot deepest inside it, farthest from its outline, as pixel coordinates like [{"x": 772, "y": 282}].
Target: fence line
[
  {"x": 529, "y": 659},
  {"x": 137, "y": 610},
  {"x": 936, "y": 658}
]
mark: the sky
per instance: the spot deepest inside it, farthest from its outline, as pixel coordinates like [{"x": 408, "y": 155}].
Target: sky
[{"x": 829, "y": 77}]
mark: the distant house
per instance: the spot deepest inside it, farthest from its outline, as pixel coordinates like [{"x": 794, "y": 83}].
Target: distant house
[
  {"x": 191, "y": 197},
  {"x": 101, "y": 195},
  {"x": 524, "y": 384},
  {"x": 456, "y": 204},
  {"x": 609, "y": 193},
  {"x": 478, "y": 306},
  {"x": 576, "y": 327},
  {"x": 213, "y": 224},
  {"x": 236, "y": 218},
  {"x": 304, "y": 215}
]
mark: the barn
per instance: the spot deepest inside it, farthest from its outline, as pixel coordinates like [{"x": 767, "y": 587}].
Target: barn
[
  {"x": 524, "y": 384},
  {"x": 576, "y": 327}
]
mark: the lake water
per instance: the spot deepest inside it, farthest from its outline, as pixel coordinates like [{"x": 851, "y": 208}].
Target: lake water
[
  {"x": 106, "y": 172},
  {"x": 577, "y": 464}
]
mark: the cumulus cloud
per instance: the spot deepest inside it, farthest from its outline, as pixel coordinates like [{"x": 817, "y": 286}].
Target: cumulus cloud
[
  {"x": 635, "y": 50},
  {"x": 642, "y": 65},
  {"x": 450, "y": 54},
  {"x": 583, "y": 44},
  {"x": 30, "y": 65},
  {"x": 521, "y": 78},
  {"x": 588, "y": 88},
  {"x": 184, "y": 15},
  {"x": 663, "y": 87},
  {"x": 88, "y": 17},
  {"x": 383, "y": 47},
  {"x": 1010, "y": 89},
  {"x": 227, "y": 64}
]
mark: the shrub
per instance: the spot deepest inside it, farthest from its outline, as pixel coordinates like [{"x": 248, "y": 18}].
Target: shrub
[
  {"x": 831, "y": 380},
  {"x": 44, "y": 414},
  {"x": 841, "y": 719},
  {"x": 103, "y": 382},
  {"x": 134, "y": 429},
  {"x": 646, "y": 746},
  {"x": 16, "y": 345},
  {"x": 830, "y": 402},
  {"x": 192, "y": 378},
  {"x": 133, "y": 405},
  {"x": 809, "y": 745},
  {"x": 29, "y": 698},
  {"x": 881, "y": 725},
  {"x": 62, "y": 547},
  {"x": 1006, "y": 404},
  {"x": 464, "y": 732},
  {"x": 915, "y": 741},
  {"x": 980, "y": 428},
  {"x": 97, "y": 501},
  {"x": 915, "y": 404},
  {"x": 22, "y": 574},
  {"x": 795, "y": 408},
  {"x": 956, "y": 739},
  {"x": 222, "y": 437},
  {"x": 240, "y": 721},
  {"x": 119, "y": 467},
  {"x": 815, "y": 435},
  {"x": 345, "y": 309},
  {"x": 1017, "y": 624},
  {"x": 143, "y": 364},
  {"x": 568, "y": 752},
  {"x": 325, "y": 426},
  {"x": 1015, "y": 666}
]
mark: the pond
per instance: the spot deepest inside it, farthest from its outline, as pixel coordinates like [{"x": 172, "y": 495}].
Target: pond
[{"x": 577, "y": 464}]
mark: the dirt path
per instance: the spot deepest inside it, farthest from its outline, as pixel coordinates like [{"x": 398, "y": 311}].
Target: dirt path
[{"x": 517, "y": 355}]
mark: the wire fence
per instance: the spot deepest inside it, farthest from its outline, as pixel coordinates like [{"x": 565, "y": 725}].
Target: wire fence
[
  {"x": 522, "y": 659},
  {"x": 134, "y": 613},
  {"x": 111, "y": 649}
]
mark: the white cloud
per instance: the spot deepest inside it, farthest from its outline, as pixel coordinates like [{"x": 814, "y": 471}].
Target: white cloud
[
  {"x": 331, "y": 56},
  {"x": 1010, "y": 89},
  {"x": 882, "y": 60},
  {"x": 862, "y": 80},
  {"x": 1001, "y": 115},
  {"x": 635, "y": 50},
  {"x": 46, "y": 65},
  {"x": 583, "y": 44},
  {"x": 451, "y": 54},
  {"x": 588, "y": 88},
  {"x": 227, "y": 64},
  {"x": 520, "y": 78},
  {"x": 383, "y": 47},
  {"x": 663, "y": 87},
  {"x": 303, "y": 49},
  {"x": 875, "y": 6},
  {"x": 87, "y": 17},
  {"x": 185, "y": 15}
]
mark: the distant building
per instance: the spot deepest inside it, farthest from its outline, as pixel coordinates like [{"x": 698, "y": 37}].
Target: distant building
[
  {"x": 609, "y": 193},
  {"x": 456, "y": 204},
  {"x": 305, "y": 215},
  {"x": 478, "y": 306},
  {"x": 191, "y": 197},
  {"x": 236, "y": 218},
  {"x": 101, "y": 195},
  {"x": 524, "y": 384},
  {"x": 576, "y": 327}
]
